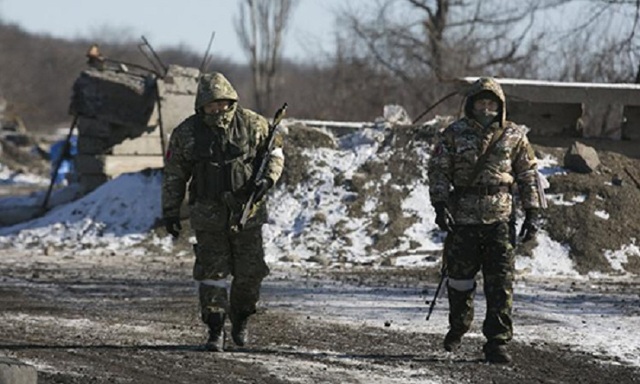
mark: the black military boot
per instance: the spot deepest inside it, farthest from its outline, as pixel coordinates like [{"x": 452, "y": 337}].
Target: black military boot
[
  {"x": 452, "y": 340},
  {"x": 239, "y": 332},
  {"x": 496, "y": 353},
  {"x": 215, "y": 343},
  {"x": 460, "y": 317}
]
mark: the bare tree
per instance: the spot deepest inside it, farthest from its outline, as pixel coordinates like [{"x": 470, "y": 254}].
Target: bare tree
[
  {"x": 417, "y": 44},
  {"x": 422, "y": 42},
  {"x": 449, "y": 38},
  {"x": 260, "y": 28},
  {"x": 599, "y": 42}
]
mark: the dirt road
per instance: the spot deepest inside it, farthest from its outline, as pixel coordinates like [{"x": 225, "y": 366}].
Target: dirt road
[{"x": 132, "y": 319}]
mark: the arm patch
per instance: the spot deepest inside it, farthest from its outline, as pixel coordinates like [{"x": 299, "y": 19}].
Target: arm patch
[{"x": 438, "y": 150}]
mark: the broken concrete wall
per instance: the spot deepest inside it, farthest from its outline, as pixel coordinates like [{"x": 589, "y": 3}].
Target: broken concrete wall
[
  {"x": 631, "y": 125},
  {"x": 548, "y": 119},
  {"x": 3, "y": 108},
  {"x": 117, "y": 97},
  {"x": 178, "y": 95},
  {"x": 124, "y": 120}
]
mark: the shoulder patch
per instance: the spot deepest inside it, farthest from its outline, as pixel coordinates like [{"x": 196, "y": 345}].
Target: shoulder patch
[{"x": 438, "y": 150}]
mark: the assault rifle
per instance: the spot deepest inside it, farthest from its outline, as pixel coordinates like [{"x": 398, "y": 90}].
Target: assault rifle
[
  {"x": 443, "y": 273},
  {"x": 247, "y": 210},
  {"x": 443, "y": 278}
]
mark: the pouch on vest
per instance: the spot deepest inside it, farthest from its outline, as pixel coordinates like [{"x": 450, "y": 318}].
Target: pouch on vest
[{"x": 224, "y": 160}]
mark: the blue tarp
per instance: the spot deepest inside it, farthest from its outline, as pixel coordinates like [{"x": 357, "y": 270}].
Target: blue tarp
[{"x": 67, "y": 167}]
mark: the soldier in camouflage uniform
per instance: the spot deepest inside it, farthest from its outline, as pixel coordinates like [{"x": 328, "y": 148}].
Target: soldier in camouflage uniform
[
  {"x": 216, "y": 152},
  {"x": 471, "y": 171}
]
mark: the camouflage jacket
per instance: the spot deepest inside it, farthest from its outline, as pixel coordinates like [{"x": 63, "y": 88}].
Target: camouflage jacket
[
  {"x": 181, "y": 159},
  {"x": 455, "y": 180}
]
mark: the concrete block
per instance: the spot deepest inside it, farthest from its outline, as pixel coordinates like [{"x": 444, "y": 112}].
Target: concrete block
[
  {"x": 602, "y": 120},
  {"x": 89, "y": 164},
  {"x": 144, "y": 145},
  {"x": 177, "y": 92},
  {"x": 179, "y": 80},
  {"x": 176, "y": 108},
  {"x": 119, "y": 133},
  {"x": 112, "y": 133},
  {"x": 13, "y": 371},
  {"x": 631, "y": 126},
  {"x": 91, "y": 145},
  {"x": 545, "y": 119},
  {"x": 116, "y": 165},
  {"x": 93, "y": 127},
  {"x": 113, "y": 96}
]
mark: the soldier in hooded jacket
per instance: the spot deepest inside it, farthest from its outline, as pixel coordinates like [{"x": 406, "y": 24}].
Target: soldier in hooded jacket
[
  {"x": 472, "y": 170},
  {"x": 215, "y": 154}
]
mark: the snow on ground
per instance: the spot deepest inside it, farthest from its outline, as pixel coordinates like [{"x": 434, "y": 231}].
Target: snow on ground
[
  {"x": 120, "y": 212},
  {"x": 554, "y": 310},
  {"x": 550, "y": 258},
  {"x": 7, "y": 177},
  {"x": 619, "y": 257},
  {"x": 302, "y": 228}
]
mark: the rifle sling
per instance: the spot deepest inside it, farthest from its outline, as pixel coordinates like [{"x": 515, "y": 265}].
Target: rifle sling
[{"x": 497, "y": 136}]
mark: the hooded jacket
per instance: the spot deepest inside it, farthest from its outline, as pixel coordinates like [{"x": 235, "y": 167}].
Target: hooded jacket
[
  {"x": 216, "y": 162},
  {"x": 476, "y": 187}
]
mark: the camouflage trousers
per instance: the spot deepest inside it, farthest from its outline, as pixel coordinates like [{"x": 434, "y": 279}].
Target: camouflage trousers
[
  {"x": 469, "y": 249},
  {"x": 220, "y": 254}
]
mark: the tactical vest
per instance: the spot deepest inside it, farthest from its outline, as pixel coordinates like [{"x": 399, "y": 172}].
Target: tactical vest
[{"x": 224, "y": 160}]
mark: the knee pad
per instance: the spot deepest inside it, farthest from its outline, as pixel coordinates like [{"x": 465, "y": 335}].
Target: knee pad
[{"x": 461, "y": 285}]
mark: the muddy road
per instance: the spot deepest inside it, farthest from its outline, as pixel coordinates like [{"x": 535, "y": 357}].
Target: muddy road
[{"x": 133, "y": 319}]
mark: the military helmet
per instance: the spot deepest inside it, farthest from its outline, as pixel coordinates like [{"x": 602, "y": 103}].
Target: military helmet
[{"x": 214, "y": 86}]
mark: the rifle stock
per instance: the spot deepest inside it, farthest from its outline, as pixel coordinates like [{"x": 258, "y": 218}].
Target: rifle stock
[{"x": 249, "y": 205}]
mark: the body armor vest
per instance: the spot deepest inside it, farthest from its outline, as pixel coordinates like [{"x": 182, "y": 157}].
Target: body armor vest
[{"x": 224, "y": 160}]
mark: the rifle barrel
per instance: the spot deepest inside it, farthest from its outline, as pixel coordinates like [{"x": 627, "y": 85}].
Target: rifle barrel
[{"x": 435, "y": 297}]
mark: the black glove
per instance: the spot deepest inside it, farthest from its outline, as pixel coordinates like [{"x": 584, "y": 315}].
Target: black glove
[
  {"x": 531, "y": 224},
  {"x": 262, "y": 187},
  {"x": 173, "y": 226},
  {"x": 444, "y": 220}
]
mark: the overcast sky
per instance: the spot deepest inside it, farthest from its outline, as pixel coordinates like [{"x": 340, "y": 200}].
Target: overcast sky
[{"x": 171, "y": 22}]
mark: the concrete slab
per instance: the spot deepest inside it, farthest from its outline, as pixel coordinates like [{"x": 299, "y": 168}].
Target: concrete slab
[
  {"x": 13, "y": 371},
  {"x": 116, "y": 165},
  {"x": 143, "y": 145}
]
